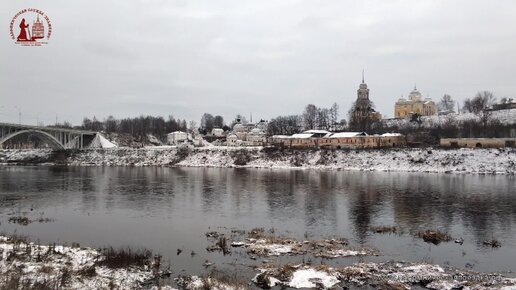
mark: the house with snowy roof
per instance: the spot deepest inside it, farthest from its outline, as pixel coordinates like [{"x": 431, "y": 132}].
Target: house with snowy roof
[
  {"x": 177, "y": 137},
  {"x": 340, "y": 140}
]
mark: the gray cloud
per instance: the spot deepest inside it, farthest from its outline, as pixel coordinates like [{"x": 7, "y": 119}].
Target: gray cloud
[{"x": 184, "y": 58}]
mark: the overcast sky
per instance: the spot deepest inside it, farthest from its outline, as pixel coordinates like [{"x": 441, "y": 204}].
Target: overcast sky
[{"x": 268, "y": 58}]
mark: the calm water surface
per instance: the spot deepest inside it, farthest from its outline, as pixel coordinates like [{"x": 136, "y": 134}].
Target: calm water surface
[{"x": 165, "y": 209}]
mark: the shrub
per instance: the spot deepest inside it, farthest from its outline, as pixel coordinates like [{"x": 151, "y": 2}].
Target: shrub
[
  {"x": 494, "y": 243},
  {"x": 21, "y": 220},
  {"x": 241, "y": 157},
  {"x": 125, "y": 257},
  {"x": 384, "y": 229},
  {"x": 434, "y": 236}
]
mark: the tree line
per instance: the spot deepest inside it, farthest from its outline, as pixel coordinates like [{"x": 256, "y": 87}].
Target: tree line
[
  {"x": 322, "y": 118},
  {"x": 138, "y": 127},
  {"x": 311, "y": 118}
]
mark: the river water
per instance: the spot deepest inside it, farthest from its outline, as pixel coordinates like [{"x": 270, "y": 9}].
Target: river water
[{"x": 166, "y": 209}]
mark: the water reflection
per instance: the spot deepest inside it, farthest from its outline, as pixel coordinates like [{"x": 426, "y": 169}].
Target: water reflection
[{"x": 187, "y": 201}]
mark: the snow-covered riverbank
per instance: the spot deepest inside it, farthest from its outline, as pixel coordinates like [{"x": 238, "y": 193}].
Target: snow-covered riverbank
[
  {"x": 480, "y": 161},
  {"x": 27, "y": 265}
]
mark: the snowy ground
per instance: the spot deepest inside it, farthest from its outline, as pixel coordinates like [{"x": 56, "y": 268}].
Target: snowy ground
[
  {"x": 505, "y": 117},
  {"x": 212, "y": 283},
  {"x": 25, "y": 265},
  {"x": 389, "y": 275},
  {"x": 481, "y": 161},
  {"x": 259, "y": 242}
]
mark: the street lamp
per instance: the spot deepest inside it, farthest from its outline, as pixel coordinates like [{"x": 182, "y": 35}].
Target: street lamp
[{"x": 19, "y": 114}]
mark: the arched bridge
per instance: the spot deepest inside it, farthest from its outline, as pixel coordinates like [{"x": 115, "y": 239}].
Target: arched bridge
[{"x": 57, "y": 138}]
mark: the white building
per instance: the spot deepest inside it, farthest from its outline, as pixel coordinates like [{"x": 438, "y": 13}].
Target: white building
[
  {"x": 177, "y": 137},
  {"x": 240, "y": 131},
  {"x": 231, "y": 140},
  {"x": 256, "y": 137},
  {"x": 217, "y": 132}
]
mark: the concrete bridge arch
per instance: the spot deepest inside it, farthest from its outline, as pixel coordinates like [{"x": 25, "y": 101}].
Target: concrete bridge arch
[{"x": 41, "y": 134}]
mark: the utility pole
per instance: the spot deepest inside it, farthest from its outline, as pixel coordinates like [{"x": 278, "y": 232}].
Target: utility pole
[{"x": 19, "y": 114}]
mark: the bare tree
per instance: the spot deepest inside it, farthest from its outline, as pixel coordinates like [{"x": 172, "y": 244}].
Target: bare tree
[
  {"x": 218, "y": 121},
  {"x": 446, "y": 104},
  {"x": 284, "y": 125},
  {"x": 481, "y": 105},
  {"x": 468, "y": 106},
  {"x": 207, "y": 123},
  {"x": 334, "y": 115},
  {"x": 310, "y": 116},
  {"x": 323, "y": 119},
  {"x": 110, "y": 124},
  {"x": 488, "y": 97}
]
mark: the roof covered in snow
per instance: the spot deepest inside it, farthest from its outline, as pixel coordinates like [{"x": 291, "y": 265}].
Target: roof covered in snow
[
  {"x": 316, "y": 132},
  {"x": 280, "y": 136},
  {"x": 302, "y": 135},
  {"x": 391, "y": 134},
  {"x": 348, "y": 134}
]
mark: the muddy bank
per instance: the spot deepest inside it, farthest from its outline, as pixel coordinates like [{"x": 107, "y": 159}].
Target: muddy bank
[{"x": 478, "y": 161}]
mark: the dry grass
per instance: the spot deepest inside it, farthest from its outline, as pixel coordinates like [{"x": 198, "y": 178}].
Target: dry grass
[
  {"x": 87, "y": 272},
  {"x": 385, "y": 230},
  {"x": 47, "y": 269},
  {"x": 233, "y": 279},
  {"x": 66, "y": 275},
  {"x": 21, "y": 220},
  {"x": 494, "y": 243},
  {"x": 256, "y": 233},
  {"x": 10, "y": 280},
  {"x": 125, "y": 257},
  {"x": 221, "y": 245},
  {"x": 240, "y": 157},
  {"x": 348, "y": 273},
  {"x": 323, "y": 268},
  {"x": 214, "y": 280},
  {"x": 434, "y": 236},
  {"x": 213, "y": 235},
  {"x": 45, "y": 220},
  {"x": 269, "y": 236},
  {"x": 286, "y": 272}
]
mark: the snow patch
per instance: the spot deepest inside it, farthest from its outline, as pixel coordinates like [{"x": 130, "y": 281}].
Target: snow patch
[{"x": 311, "y": 278}]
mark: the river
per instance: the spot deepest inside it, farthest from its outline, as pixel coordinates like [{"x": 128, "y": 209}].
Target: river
[{"x": 166, "y": 209}]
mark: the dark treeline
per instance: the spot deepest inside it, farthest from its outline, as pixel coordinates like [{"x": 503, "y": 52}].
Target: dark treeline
[
  {"x": 138, "y": 127},
  {"x": 449, "y": 128},
  {"x": 209, "y": 122}
]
